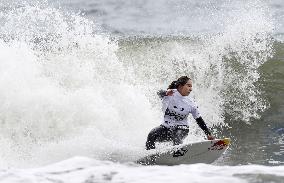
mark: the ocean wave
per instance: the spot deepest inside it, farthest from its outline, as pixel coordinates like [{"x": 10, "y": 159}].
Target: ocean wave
[{"x": 67, "y": 90}]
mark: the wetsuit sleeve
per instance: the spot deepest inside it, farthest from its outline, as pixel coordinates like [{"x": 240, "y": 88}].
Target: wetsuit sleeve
[
  {"x": 162, "y": 93},
  {"x": 202, "y": 125}
]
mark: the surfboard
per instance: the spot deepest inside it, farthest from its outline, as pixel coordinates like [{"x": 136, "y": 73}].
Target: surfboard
[{"x": 199, "y": 152}]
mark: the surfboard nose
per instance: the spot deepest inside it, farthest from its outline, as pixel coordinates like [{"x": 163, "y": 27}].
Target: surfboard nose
[{"x": 227, "y": 141}]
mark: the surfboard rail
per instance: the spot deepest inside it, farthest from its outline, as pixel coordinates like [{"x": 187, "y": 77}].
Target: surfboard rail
[{"x": 206, "y": 151}]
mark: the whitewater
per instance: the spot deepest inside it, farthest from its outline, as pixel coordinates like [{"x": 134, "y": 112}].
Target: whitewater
[{"x": 78, "y": 83}]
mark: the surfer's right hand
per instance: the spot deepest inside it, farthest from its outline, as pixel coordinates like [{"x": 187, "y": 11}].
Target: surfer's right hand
[{"x": 170, "y": 92}]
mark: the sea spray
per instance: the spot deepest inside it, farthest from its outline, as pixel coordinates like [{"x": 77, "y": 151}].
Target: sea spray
[
  {"x": 223, "y": 66},
  {"x": 63, "y": 91}
]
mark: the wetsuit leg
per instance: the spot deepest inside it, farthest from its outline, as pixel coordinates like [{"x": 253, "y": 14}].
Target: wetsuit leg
[
  {"x": 158, "y": 134},
  {"x": 179, "y": 134}
]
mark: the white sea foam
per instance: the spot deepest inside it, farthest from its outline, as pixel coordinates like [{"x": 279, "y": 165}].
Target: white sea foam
[
  {"x": 81, "y": 169},
  {"x": 63, "y": 91}
]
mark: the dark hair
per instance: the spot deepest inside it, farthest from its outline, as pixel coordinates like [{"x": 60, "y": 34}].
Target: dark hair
[{"x": 181, "y": 81}]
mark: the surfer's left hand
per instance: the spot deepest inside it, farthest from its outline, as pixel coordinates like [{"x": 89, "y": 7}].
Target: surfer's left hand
[{"x": 210, "y": 137}]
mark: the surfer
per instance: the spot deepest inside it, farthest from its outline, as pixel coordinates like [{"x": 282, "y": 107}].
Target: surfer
[{"x": 176, "y": 108}]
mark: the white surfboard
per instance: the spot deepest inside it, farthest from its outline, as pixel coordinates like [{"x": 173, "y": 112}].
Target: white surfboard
[{"x": 199, "y": 152}]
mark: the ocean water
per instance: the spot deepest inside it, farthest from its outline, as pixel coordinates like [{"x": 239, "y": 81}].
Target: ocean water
[{"x": 78, "y": 82}]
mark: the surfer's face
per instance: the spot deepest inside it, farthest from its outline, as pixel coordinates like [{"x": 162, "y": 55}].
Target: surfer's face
[{"x": 185, "y": 89}]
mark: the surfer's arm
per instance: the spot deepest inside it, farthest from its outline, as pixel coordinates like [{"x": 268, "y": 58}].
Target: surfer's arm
[
  {"x": 196, "y": 115},
  {"x": 163, "y": 93},
  {"x": 203, "y": 126}
]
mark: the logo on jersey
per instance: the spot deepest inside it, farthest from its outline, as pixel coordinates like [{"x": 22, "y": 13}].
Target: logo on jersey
[{"x": 176, "y": 116}]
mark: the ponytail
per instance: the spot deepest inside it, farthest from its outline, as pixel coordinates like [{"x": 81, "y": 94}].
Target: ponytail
[
  {"x": 173, "y": 85},
  {"x": 181, "y": 81}
]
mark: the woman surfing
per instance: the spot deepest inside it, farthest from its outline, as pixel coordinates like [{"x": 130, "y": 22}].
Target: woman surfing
[{"x": 176, "y": 108}]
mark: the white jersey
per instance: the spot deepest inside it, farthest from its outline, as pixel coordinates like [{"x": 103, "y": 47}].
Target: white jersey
[{"x": 176, "y": 109}]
